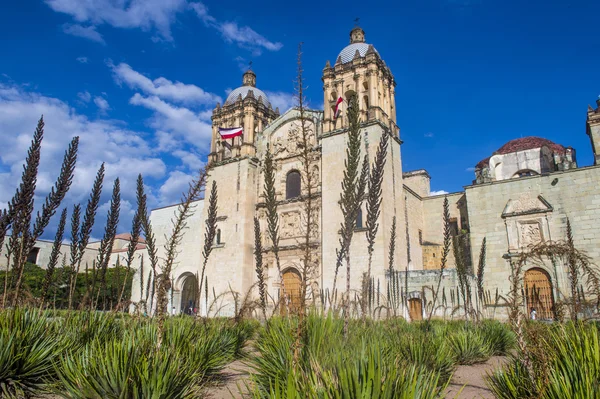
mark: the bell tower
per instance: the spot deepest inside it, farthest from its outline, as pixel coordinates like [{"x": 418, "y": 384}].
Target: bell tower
[
  {"x": 593, "y": 130},
  {"x": 246, "y": 107},
  {"x": 359, "y": 70}
]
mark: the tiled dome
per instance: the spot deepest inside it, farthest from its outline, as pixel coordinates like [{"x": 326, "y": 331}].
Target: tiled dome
[
  {"x": 523, "y": 144},
  {"x": 347, "y": 54},
  {"x": 244, "y": 90}
]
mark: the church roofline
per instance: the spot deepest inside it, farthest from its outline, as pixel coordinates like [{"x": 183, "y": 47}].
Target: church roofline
[
  {"x": 452, "y": 194},
  {"x": 285, "y": 117},
  {"x": 547, "y": 174},
  {"x": 172, "y": 205},
  {"x": 416, "y": 172}
]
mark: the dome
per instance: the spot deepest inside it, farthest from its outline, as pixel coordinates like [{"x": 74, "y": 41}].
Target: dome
[
  {"x": 347, "y": 54},
  {"x": 524, "y": 144},
  {"x": 243, "y": 91}
]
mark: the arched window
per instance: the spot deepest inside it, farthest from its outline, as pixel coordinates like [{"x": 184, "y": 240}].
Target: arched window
[
  {"x": 33, "y": 256},
  {"x": 525, "y": 173},
  {"x": 359, "y": 219},
  {"x": 218, "y": 239},
  {"x": 293, "y": 185}
]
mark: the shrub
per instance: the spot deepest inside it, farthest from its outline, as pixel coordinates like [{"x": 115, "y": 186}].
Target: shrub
[
  {"x": 132, "y": 366},
  {"x": 425, "y": 349},
  {"x": 568, "y": 368},
  {"x": 367, "y": 363},
  {"x": 498, "y": 336},
  {"x": 27, "y": 351},
  {"x": 469, "y": 347}
]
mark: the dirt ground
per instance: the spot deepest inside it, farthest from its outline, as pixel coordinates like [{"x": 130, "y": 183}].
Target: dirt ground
[
  {"x": 231, "y": 383},
  {"x": 473, "y": 380}
]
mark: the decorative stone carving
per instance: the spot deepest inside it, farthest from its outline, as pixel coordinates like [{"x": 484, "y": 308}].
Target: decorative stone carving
[
  {"x": 314, "y": 174},
  {"x": 290, "y": 223},
  {"x": 278, "y": 146},
  {"x": 530, "y": 234},
  {"x": 526, "y": 204}
]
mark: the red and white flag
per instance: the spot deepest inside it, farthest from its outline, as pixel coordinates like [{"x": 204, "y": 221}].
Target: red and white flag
[
  {"x": 230, "y": 132},
  {"x": 337, "y": 109}
]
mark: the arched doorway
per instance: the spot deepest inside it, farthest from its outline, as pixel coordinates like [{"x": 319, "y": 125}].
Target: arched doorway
[
  {"x": 415, "y": 309},
  {"x": 189, "y": 295},
  {"x": 538, "y": 293},
  {"x": 291, "y": 293}
]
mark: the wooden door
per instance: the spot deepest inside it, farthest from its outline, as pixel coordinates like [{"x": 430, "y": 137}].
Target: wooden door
[
  {"x": 415, "y": 309},
  {"x": 538, "y": 292},
  {"x": 291, "y": 295}
]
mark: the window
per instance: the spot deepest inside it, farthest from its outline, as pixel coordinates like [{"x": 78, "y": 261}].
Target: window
[
  {"x": 292, "y": 185},
  {"x": 359, "y": 219},
  {"x": 453, "y": 227},
  {"x": 33, "y": 255},
  {"x": 525, "y": 173},
  {"x": 420, "y": 237},
  {"x": 218, "y": 239}
]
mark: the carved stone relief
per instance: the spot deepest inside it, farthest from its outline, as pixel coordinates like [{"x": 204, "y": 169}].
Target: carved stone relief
[
  {"x": 290, "y": 224},
  {"x": 526, "y": 203},
  {"x": 530, "y": 233}
]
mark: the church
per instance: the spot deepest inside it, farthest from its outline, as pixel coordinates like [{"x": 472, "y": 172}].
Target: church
[{"x": 522, "y": 194}]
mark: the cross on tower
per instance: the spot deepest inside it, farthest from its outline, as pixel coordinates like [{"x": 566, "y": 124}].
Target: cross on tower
[
  {"x": 250, "y": 65},
  {"x": 356, "y": 21}
]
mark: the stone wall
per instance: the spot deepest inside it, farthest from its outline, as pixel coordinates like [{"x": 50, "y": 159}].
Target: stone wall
[
  {"x": 418, "y": 181},
  {"x": 510, "y": 214}
]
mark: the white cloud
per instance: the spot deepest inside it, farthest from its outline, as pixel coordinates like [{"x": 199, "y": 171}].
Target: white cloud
[
  {"x": 125, "y": 152},
  {"x": 84, "y": 96},
  {"x": 176, "y": 120},
  {"x": 428, "y": 135},
  {"x": 281, "y": 100},
  {"x": 144, "y": 14},
  {"x": 162, "y": 87},
  {"x": 86, "y": 32},
  {"x": 172, "y": 189},
  {"x": 438, "y": 192},
  {"x": 101, "y": 103},
  {"x": 189, "y": 159},
  {"x": 470, "y": 169},
  {"x": 83, "y": 60},
  {"x": 166, "y": 141},
  {"x": 243, "y": 36}
]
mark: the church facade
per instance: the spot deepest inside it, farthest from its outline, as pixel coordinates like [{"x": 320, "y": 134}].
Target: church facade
[{"x": 522, "y": 195}]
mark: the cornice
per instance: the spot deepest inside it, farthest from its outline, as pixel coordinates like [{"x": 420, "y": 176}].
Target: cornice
[
  {"x": 363, "y": 125},
  {"x": 302, "y": 198}
]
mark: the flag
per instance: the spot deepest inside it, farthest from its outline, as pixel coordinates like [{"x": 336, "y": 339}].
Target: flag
[
  {"x": 231, "y": 132},
  {"x": 337, "y": 110}
]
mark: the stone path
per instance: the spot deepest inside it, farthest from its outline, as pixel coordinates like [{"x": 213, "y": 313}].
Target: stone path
[
  {"x": 231, "y": 380},
  {"x": 473, "y": 380}
]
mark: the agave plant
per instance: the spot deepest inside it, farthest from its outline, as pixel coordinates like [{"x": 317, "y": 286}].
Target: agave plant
[
  {"x": 498, "y": 336},
  {"x": 469, "y": 347},
  {"x": 28, "y": 349},
  {"x": 570, "y": 370},
  {"x": 128, "y": 364}
]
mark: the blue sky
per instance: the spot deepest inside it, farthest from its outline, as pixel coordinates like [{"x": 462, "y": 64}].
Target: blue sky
[{"x": 137, "y": 79}]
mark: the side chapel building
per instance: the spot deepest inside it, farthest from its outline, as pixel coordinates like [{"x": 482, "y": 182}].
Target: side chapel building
[{"x": 522, "y": 194}]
